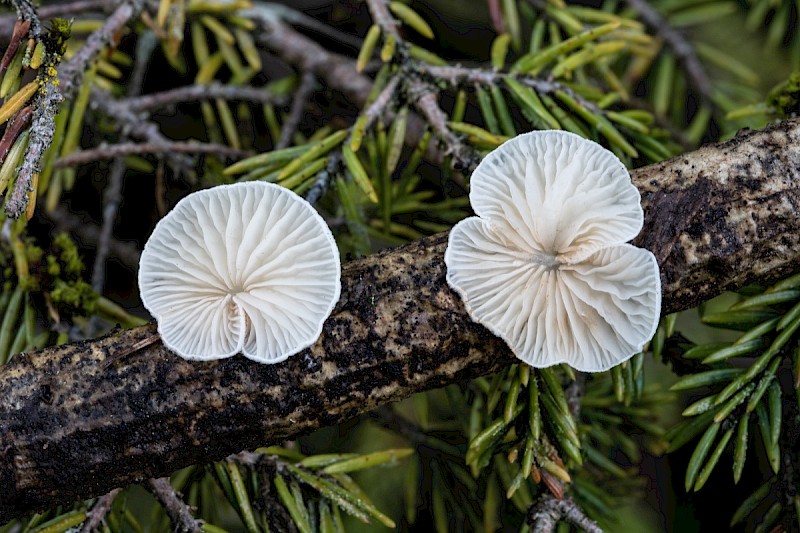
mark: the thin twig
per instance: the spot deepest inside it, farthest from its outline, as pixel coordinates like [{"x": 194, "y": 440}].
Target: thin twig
[
  {"x": 382, "y": 17},
  {"x": 338, "y": 72},
  {"x": 26, "y": 11},
  {"x": 113, "y": 193},
  {"x": 137, "y": 126},
  {"x": 423, "y": 96},
  {"x": 459, "y": 76},
  {"x": 544, "y": 515},
  {"x": 101, "y": 507},
  {"x": 464, "y": 76},
  {"x": 178, "y": 511},
  {"x": 378, "y": 106},
  {"x": 135, "y": 347},
  {"x": 45, "y": 109},
  {"x": 574, "y": 393},
  {"x": 59, "y": 9},
  {"x": 108, "y": 151},
  {"x": 678, "y": 43},
  {"x": 323, "y": 179},
  {"x": 71, "y": 74},
  {"x": 49, "y": 99},
  {"x": 111, "y": 200},
  {"x": 197, "y": 93},
  {"x": 296, "y": 49},
  {"x": 299, "y": 102}
]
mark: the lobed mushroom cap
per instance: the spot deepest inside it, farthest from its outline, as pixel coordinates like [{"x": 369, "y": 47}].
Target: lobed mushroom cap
[
  {"x": 544, "y": 265},
  {"x": 249, "y": 267}
]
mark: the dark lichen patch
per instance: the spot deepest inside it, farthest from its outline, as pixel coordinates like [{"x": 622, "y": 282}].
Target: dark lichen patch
[
  {"x": 357, "y": 384},
  {"x": 366, "y": 352},
  {"x": 785, "y": 205},
  {"x": 46, "y": 394},
  {"x": 745, "y": 178},
  {"x": 669, "y": 214},
  {"x": 769, "y": 161},
  {"x": 711, "y": 223},
  {"x": 447, "y": 349},
  {"x": 309, "y": 362}
]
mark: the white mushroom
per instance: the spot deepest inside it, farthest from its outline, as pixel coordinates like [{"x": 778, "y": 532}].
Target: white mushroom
[
  {"x": 249, "y": 267},
  {"x": 544, "y": 265}
]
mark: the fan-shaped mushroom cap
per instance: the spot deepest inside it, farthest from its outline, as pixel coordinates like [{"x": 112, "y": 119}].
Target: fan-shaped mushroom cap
[
  {"x": 249, "y": 267},
  {"x": 544, "y": 265}
]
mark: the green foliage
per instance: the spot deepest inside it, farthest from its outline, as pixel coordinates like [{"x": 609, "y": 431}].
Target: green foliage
[
  {"x": 312, "y": 492},
  {"x": 393, "y": 169},
  {"x": 741, "y": 402},
  {"x": 522, "y": 425},
  {"x": 778, "y": 19}
]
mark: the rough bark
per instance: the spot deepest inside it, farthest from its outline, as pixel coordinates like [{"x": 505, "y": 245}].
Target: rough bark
[
  {"x": 71, "y": 428},
  {"x": 725, "y": 215}
]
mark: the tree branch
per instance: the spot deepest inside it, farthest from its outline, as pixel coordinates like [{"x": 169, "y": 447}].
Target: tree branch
[
  {"x": 137, "y": 126},
  {"x": 337, "y": 72},
  {"x": 198, "y": 93},
  {"x": 110, "y": 151},
  {"x": 678, "y": 43},
  {"x": 72, "y": 72},
  {"x": 544, "y": 516},
  {"x": 380, "y": 14},
  {"x": 61, "y": 9},
  {"x": 98, "y": 512},
  {"x": 178, "y": 511},
  {"x": 301, "y": 97},
  {"x": 717, "y": 218},
  {"x": 26, "y": 11},
  {"x": 53, "y": 92}
]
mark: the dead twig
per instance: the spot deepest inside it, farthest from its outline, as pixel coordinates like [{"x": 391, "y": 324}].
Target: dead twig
[
  {"x": 678, "y": 43},
  {"x": 548, "y": 511},
  {"x": 178, "y": 511},
  {"x": 292, "y": 122},
  {"x": 109, "y": 151},
  {"x": 99, "y": 510},
  {"x": 198, "y": 93}
]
